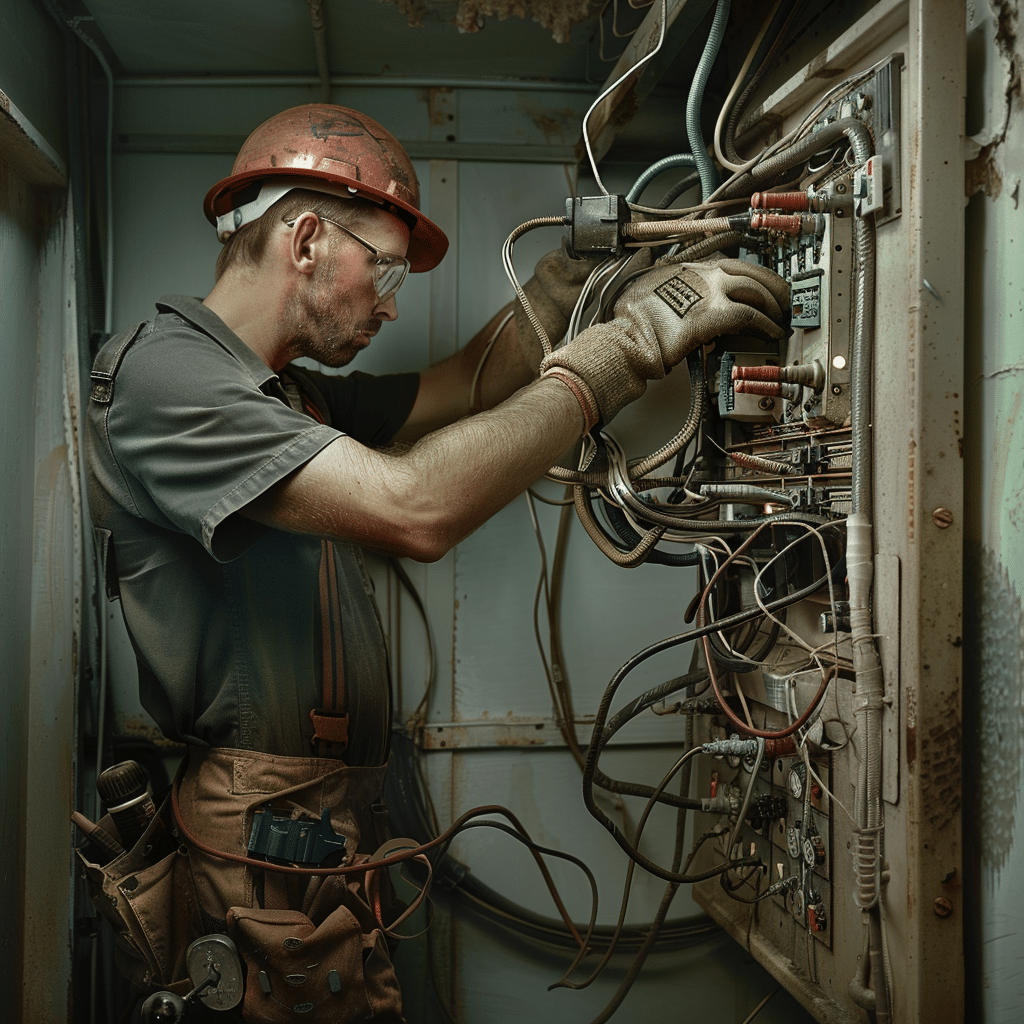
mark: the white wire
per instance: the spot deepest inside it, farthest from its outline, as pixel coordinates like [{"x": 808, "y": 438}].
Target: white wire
[
  {"x": 717, "y": 136},
  {"x": 611, "y": 88}
]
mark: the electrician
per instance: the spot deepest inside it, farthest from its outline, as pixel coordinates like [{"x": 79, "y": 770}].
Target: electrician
[{"x": 232, "y": 490}]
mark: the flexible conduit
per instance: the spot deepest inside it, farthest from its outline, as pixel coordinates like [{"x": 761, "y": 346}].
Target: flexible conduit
[
  {"x": 860, "y": 570},
  {"x": 694, "y": 102},
  {"x": 679, "y": 160}
]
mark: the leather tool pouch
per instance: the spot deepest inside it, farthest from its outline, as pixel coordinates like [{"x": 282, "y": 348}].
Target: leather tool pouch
[
  {"x": 311, "y": 944},
  {"x": 147, "y": 896},
  {"x": 330, "y": 965}
]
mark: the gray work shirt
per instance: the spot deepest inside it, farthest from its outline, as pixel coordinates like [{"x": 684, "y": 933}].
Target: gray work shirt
[{"x": 223, "y": 613}]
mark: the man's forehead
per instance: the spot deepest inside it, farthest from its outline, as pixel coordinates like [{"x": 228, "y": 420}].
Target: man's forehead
[{"x": 383, "y": 229}]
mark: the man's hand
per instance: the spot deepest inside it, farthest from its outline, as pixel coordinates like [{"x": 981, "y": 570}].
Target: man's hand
[
  {"x": 552, "y": 290},
  {"x": 659, "y": 320}
]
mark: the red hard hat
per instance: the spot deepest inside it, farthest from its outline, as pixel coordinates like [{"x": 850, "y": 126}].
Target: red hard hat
[{"x": 341, "y": 149}]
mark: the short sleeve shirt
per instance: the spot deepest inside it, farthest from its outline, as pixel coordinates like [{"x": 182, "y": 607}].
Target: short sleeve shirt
[{"x": 187, "y": 427}]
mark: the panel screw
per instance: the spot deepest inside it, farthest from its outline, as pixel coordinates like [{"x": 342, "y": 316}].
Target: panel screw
[
  {"x": 943, "y": 907},
  {"x": 942, "y": 518}
]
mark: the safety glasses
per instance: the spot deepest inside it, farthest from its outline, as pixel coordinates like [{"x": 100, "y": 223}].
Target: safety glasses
[{"x": 388, "y": 272}]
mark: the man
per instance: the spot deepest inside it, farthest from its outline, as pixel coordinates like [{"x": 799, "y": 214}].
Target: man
[{"x": 232, "y": 492}]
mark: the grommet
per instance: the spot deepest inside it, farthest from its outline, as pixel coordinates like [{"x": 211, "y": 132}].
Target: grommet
[
  {"x": 295, "y": 979},
  {"x": 292, "y": 943}
]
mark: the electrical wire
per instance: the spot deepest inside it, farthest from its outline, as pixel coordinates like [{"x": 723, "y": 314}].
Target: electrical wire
[
  {"x": 561, "y": 698},
  {"x": 719, "y": 154},
  {"x": 761, "y": 1005},
  {"x": 695, "y": 101},
  {"x": 611, "y": 88},
  {"x": 595, "y": 746}
]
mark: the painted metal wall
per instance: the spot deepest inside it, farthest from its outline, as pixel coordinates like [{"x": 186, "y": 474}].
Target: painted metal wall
[
  {"x": 40, "y": 572},
  {"x": 994, "y": 545}
]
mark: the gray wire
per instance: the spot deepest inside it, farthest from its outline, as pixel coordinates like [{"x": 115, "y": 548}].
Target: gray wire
[{"x": 705, "y": 165}]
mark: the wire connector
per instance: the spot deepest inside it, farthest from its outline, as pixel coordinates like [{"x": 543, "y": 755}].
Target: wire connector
[{"x": 594, "y": 226}]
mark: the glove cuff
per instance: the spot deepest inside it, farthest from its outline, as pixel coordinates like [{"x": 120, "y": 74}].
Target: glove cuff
[{"x": 581, "y": 390}]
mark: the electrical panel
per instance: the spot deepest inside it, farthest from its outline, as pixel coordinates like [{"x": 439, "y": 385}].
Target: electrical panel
[{"x": 800, "y": 486}]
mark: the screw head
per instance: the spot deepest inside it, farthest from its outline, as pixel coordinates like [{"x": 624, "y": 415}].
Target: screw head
[
  {"x": 837, "y": 389},
  {"x": 942, "y": 518},
  {"x": 943, "y": 907},
  {"x": 840, "y": 187},
  {"x": 766, "y": 404}
]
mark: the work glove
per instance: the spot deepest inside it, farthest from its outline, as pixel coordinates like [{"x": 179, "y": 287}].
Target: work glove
[
  {"x": 659, "y": 320},
  {"x": 553, "y": 290}
]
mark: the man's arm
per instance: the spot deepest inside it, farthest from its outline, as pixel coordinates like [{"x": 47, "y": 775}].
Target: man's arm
[
  {"x": 421, "y": 503},
  {"x": 495, "y": 365}
]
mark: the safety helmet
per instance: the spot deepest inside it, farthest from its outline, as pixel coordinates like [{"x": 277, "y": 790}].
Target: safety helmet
[{"x": 330, "y": 149}]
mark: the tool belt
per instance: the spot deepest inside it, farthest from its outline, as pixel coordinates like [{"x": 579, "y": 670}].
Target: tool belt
[{"x": 313, "y": 945}]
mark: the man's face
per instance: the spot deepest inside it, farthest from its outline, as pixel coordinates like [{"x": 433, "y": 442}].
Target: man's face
[{"x": 339, "y": 311}]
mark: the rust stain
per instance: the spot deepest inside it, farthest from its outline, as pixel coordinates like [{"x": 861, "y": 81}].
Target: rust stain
[
  {"x": 941, "y": 747},
  {"x": 910, "y": 700},
  {"x": 437, "y": 108},
  {"x": 982, "y": 175},
  {"x": 556, "y": 125},
  {"x": 911, "y": 490}
]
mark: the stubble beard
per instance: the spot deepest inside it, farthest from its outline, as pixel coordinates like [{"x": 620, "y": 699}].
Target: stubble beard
[{"x": 327, "y": 332}]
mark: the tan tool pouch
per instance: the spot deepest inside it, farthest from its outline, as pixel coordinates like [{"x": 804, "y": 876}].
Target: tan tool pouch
[
  {"x": 311, "y": 943},
  {"x": 148, "y": 897}
]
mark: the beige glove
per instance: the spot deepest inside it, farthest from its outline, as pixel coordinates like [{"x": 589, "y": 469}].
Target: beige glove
[
  {"x": 659, "y": 320},
  {"x": 553, "y": 290}
]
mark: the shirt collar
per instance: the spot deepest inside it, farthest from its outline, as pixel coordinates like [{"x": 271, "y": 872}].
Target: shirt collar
[{"x": 204, "y": 319}]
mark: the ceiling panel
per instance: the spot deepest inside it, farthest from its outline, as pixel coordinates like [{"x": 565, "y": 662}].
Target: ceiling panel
[{"x": 365, "y": 37}]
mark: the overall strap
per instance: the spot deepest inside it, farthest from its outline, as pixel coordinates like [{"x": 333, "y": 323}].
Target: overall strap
[{"x": 330, "y": 721}]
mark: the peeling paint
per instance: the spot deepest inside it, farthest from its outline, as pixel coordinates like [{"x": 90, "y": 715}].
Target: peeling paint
[{"x": 984, "y": 172}]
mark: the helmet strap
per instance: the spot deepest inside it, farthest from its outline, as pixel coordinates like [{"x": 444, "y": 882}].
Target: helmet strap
[{"x": 273, "y": 190}]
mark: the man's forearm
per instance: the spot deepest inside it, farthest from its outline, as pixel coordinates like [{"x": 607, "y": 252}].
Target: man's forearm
[{"x": 424, "y": 501}]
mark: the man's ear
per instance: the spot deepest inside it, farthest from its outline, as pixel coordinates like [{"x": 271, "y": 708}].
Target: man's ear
[{"x": 307, "y": 242}]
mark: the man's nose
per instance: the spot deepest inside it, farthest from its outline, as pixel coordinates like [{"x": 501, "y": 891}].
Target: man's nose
[{"x": 388, "y": 309}]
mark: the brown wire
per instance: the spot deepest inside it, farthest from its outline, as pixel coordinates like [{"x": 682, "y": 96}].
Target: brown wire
[{"x": 396, "y": 858}]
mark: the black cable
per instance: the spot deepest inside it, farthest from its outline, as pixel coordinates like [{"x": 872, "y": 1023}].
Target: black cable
[
  {"x": 595, "y": 748},
  {"x": 678, "y": 189},
  {"x": 627, "y": 538},
  {"x": 405, "y": 798}
]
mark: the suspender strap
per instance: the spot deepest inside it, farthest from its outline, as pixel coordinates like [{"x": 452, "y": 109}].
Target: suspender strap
[
  {"x": 107, "y": 363},
  {"x": 330, "y": 721}
]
